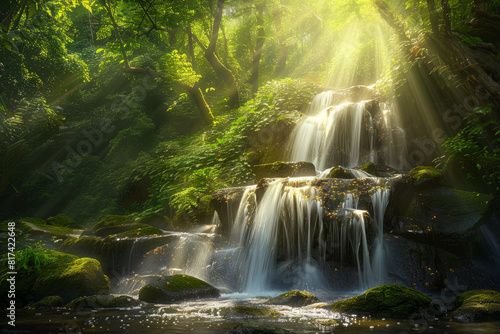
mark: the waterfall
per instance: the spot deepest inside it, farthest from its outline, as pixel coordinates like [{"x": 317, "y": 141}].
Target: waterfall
[
  {"x": 333, "y": 136},
  {"x": 380, "y": 199}
]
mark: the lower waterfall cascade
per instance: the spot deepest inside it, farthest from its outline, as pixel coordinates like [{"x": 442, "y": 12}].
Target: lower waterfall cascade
[{"x": 308, "y": 233}]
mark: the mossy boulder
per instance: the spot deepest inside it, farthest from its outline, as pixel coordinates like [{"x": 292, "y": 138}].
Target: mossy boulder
[
  {"x": 251, "y": 328},
  {"x": 103, "y": 301},
  {"x": 369, "y": 168},
  {"x": 339, "y": 172},
  {"x": 44, "y": 272},
  {"x": 140, "y": 232},
  {"x": 294, "y": 298},
  {"x": 478, "y": 305},
  {"x": 284, "y": 169},
  {"x": 425, "y": 177},
  {"x": 158, "y": 221},
  {"x": 249, "y": 312},
  {"x": 48, "y": 302},
  {"x": 445, "y": 216},
  {"x": 167, "y": 289},
  {"x": 63, "y": 221},
  {"x": 390, "y": 300}
]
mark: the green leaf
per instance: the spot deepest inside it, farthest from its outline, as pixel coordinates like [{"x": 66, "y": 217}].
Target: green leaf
[
  {"x": 99, "y": 50},
  {"x": 478, "y": 166},
  {"x": 33, "y": 9}
]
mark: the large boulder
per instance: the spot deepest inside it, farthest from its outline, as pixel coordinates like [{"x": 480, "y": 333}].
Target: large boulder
[
  {"x": 444, "y": 216},
  {"x": 390, "y": 300},
  {"x": 167, "y": 289},
  {"x": 44, "y": 272},
  {"x": 478, "y": 305},
  {"x": 103, "y": 301},
  {"x": 114, "y": 252},
  {"x": 284, "y": 169},
  {"x": 339, "y": 172},
  {"x": 294, "y": 298}
]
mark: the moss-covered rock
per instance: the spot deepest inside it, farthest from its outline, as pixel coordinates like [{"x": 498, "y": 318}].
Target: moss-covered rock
[
  {"x": 103, "y": 301},
  {"x": 168, "y": 289},
  {"x": 446, "y": 216},
  {"x": 340, "y": 173},
  {"x": 242, "y": 311},
  {"x": 478, "y": 305},
  {"x": 48, "y": 303},
  {"x": 140, "y": 232},
  {"x": 63, "y": 221},
  {"x": 112, "y": 220},
  {"x": 390, "y": 300},
  {"x": 284, "y": 169},
  {"x": 425, "y": 177},
  {"x": 294, "y": 298},
  {"x": 250, "y": 328},
  {"x": 158, "y": 221},
  {"x": 44, "y": 272},
  {"x": 370, "y": 168}
]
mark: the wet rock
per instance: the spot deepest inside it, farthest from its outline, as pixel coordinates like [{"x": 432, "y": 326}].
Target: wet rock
[
  {"x": 478, "y": 305},
  {"x": 242, "y": 311},
  {"x": 390, "y": 300},
  {"x": 58, "y": 274},
  {"x": 369, "y": 168},
  {"x": 114, "y": 253},
  {"x": 103, "y": 301},
  {"x": 48, "y": 302},
  {"x": 140, "y": 232},
  {"x": 169, "y": 289},
  {"x": 284, "y": 169},
  {"x": 444, "y": 217},
  {"x": 340, "y": 173},
  {"x": 226, "y": 202},
  {"x": 424, "y": 177},
  {"x": 250, "y": 328},
  {"x": 294, "y": 298}
]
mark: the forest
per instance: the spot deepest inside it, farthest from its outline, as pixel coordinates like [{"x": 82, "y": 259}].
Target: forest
[{"x": 219, "y": 165}]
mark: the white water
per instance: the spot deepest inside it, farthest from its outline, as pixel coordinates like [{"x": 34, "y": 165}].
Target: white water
[
  {"x": 331, "y": 136},
  {"x": 380, "y": 199}
]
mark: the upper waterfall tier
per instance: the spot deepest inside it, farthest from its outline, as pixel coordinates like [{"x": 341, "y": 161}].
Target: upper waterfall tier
[{"x": 347, "y": 133}]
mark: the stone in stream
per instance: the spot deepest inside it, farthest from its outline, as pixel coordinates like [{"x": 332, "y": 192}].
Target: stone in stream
[
  {"x": 477, "y": 305},
  {"x": 339, "y": 172},
  {"x": 284, "y": 169},
  {"x": 250, "y": 328},
  {"x": 390, "y": 300},
  {"x": 167, "y": 289},
  {"x": 250, "y": 312},
  {"x": 294, "y": 298},
  {"x": 48, "y": 302},
  {"x": 58, "y": 274},
  {"x": 103, "y": 301}
]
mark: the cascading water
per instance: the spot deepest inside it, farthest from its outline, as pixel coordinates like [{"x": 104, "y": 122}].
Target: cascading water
[{"x": 305, "y": 233}]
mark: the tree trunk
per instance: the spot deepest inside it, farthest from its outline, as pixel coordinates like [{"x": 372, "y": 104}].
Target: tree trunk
[
  {"x": 445, "y": 5},
  {"x": 222, "y": 71},
  {"x": 117, "y": 32},
  {"x": 257, "y": 52},
  {"x": 191, "y": 48},
  {"x": 201, "y": 103},
  {"x": 431, "y": 6}
]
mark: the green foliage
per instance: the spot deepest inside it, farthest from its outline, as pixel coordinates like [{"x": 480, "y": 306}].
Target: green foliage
[
  {"x": 33, "y": 257},
  {"x": 476, "y": 147}
]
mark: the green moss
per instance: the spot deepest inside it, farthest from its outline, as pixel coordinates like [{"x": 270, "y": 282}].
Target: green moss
[
  {"x": 109, "y": 230},
  {"x": 63, "y": 221},
  {"x": 252, "y": 312},
  {"x": 48, "y": 302},
  {"x": 294, "y": 298},
  {"x": 478, "y": 305},
  {"x": 59, "y": 274},
  {"x": 152, "y": 294},
  {"x": 111, "y": 221},
  {"x": 184, "y": 282},
  {"x": 340, "y": 173},
  {"x": 139, "y": 232},
  {"x": 390, "y": 300},
  {"x": 423, "y": 177},
  {"x": 370, "y": 168}
]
